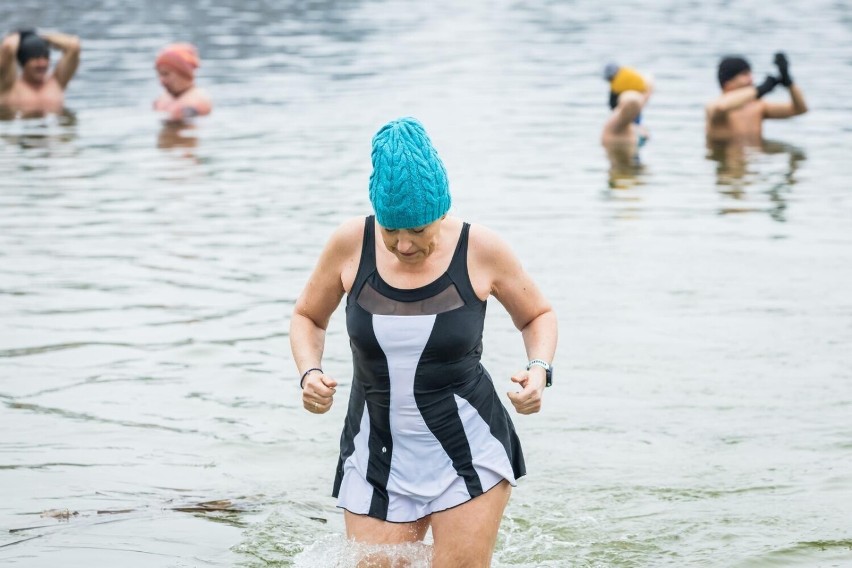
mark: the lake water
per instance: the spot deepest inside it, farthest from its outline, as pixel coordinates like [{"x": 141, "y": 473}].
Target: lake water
[{"x": 702, "y": 407}]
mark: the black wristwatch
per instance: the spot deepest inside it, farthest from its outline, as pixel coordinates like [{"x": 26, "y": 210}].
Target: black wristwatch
[{"x": 548, "y": 370}]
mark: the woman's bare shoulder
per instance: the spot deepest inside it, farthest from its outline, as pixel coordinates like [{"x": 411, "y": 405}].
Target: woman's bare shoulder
[
  {"x": 486, "y": 244},
  {"x": 346, "y": 238},
  {"x": 353, "y": 227}
]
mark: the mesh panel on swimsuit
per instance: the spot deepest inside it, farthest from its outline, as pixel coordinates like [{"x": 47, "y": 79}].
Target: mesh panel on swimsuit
[{"x": 374, "y": 302}]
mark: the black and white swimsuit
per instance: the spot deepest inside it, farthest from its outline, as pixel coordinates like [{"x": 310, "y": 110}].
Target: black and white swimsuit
[{"x": 425, "y": 429}]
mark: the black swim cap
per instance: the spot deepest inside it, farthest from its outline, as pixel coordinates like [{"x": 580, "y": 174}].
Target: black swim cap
[
  {"x": 31, "y": 46},
  {"x": 730, "y": 67}
]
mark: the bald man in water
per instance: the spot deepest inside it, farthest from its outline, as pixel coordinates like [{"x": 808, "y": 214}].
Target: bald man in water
[
  {"x": 35, "y": 90},
  {"x": 738, "y": 113}
]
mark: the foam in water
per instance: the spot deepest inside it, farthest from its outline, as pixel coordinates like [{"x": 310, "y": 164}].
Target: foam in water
[{"x": 335, "y": 551}]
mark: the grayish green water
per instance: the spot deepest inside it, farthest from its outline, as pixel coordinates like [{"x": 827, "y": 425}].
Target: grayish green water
[{"x": 701, "y": 413}]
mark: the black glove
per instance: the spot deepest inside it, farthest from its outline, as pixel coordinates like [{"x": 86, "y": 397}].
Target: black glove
[
  {"x": 768, "y": 84},
  {"x": 613, "y": 100},
  {"x": 783, "y": 69}
]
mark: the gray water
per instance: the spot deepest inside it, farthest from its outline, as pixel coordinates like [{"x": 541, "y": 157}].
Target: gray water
[{"x": 701, "y": 413}]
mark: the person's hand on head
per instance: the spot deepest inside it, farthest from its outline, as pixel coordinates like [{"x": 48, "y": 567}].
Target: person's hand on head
[
  {"x": 783, "y": 69},
  {"x": 768, "y": 84}
]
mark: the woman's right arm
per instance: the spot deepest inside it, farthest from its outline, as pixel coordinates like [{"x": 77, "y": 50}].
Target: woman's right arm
[{"x": 312, "y": 312}]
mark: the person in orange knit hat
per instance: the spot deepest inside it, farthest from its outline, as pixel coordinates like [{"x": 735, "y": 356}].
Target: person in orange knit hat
[{"x": 182, "y": 99}]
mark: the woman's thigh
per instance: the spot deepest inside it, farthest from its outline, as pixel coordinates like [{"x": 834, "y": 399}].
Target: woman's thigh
[
  {"x": 368, "y": 530},
  {"x": 465, "y": 535}
]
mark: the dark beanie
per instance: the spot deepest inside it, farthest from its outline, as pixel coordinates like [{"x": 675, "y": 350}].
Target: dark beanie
[
  {"x": 730, "y": 67},
  {"x": 31, "y": 46}
]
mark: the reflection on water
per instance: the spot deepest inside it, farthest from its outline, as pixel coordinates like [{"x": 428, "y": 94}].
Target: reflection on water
[
  {"x": 626, "y": 169},
  {"x": 66, "y": 117},
  {"x": 746, "y": 173},
  {"x": 38, "y": 130},
  {"x": 178, "y": 135},
  {"x": 626, "y": 176}
]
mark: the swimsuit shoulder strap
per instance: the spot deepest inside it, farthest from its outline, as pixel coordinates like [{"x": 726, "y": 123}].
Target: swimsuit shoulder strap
[
  {"x": 458, "y": 268},
  {"x": 367, "y": 264}
]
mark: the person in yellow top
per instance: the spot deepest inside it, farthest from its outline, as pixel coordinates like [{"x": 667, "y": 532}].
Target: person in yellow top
[
  {"x": 623, "y": 133},
  {"x": 35, "y": 90},
  {"x": 629, "y": 93}
]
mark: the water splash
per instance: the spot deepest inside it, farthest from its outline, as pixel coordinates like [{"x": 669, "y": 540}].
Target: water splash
[{"x": 335, "y": 551}]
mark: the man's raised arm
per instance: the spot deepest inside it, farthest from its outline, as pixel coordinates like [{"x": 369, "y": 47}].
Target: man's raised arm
[
  {"x": 70, "y": 47},
  {"x": 8, "y": 61}
]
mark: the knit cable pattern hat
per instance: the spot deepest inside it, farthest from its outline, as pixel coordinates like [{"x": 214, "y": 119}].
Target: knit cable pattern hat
[{"x": 408, "y": 186}]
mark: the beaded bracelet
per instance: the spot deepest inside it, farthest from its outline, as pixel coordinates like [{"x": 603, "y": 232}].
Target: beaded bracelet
[{"x": 305, "y": 374}]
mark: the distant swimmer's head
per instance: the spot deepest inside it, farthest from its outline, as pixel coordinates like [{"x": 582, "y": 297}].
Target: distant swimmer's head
[
  {"x": 736, "y": 69},
  {"x": 33, "y": 56},
  {"x": 622, "y": 79},
  {"x": 408, "y": 185},
  {"x": 610, "y": 70},
  {"x": 176, "y": 65}
]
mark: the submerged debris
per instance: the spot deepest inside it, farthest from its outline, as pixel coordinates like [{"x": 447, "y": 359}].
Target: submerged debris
[
  {"x": 222, "y": 505},
  {"x": 62, "y": 514}
]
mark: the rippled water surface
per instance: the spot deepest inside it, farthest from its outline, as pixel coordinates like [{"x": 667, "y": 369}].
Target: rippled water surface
[{"x": 149, "y": 410}]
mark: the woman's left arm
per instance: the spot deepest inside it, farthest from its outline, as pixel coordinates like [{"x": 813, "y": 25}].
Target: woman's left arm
[{"x": 530, "y": 311}]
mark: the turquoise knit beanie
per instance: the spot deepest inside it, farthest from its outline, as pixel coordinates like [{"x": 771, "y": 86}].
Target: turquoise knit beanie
[{"x": 408, "y": 186}]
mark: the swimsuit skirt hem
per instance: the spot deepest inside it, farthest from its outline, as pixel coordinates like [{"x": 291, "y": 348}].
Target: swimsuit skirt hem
[{"x": 445, "y": 507}]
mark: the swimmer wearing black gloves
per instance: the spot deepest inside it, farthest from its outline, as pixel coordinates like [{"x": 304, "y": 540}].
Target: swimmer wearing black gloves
[{"x": 738, "y": 113}]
